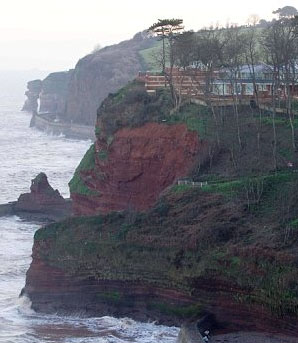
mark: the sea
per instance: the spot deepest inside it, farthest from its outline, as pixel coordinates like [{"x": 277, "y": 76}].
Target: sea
[{"x": 24, "y": 152}]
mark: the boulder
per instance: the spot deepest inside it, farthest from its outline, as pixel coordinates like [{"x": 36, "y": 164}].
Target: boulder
[{"x": 189, "y": 334}]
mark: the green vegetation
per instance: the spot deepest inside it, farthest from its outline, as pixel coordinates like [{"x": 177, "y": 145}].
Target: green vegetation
[
  {"x": 293, "y": 224},
  {"x": 181, "y": 188},
  {"x": 149, "y": 57},
  {"x": 264, "y": 195},
  {"x": 186, "y": 238},
  {"x": 109, "y": 297},
  {"x": 184, "y": 312},
  {"x": 270, "y": 277},
  {"x": 196, "y": 117},
  {"x": 103, "y": 155},
  {"x": 77, "y": 184},
  {"x": 280, "y": 121},
  {"x": 97, "y": 131}
]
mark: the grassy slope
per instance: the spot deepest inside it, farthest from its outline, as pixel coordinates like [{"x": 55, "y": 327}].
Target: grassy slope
[
  {"x": 149, "y": 57},
  {"x": 77, "y": 184},
  {"x": 192, "y": 235}
]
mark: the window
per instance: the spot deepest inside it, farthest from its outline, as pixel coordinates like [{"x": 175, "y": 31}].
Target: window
[{"x": 249, "y": 89}]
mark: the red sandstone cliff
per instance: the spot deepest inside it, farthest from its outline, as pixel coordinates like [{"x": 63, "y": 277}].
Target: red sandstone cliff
[
  {"x": 140, "y": 163},
  {"x": 222, "y": 249},
  {"x": 137, "y": 155},
  {"x": 171, "y": 264}
]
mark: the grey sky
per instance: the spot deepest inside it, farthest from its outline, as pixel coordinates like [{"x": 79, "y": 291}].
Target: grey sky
[{"x": 54, "y": 34}]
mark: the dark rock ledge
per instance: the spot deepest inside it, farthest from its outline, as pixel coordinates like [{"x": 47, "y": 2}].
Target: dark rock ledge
[{"x": 43, "y": 203}]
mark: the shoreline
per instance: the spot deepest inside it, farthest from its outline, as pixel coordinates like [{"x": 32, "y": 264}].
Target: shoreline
[
  {"x": 69, "y": 130},
  {"x": 191, "y": 333}
]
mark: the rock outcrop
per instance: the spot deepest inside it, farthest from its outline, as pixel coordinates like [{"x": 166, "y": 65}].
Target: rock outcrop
[
  {"x": 32, "y": 93},
  {"x": 128, "y": 168},
  {"x": 42, "y": 201},
  {"x": 75, "y": 95},
  {"x": 53, "y": 96},
  {"x": 101, "y": 73},
  {"x": 136, "y": 167},
  {"x": 189, "y": 334}
]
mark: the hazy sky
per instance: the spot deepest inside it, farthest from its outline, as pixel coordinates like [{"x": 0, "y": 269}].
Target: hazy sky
[{"x": 54, "y": 34}]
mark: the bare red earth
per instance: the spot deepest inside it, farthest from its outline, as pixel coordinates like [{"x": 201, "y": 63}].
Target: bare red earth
[{"x": 140, "y": 164}]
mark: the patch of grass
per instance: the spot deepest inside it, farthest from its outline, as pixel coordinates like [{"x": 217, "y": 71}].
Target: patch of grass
[
  {"x": 162, "y": 208},
  {"x": 181, "y": 188},
  {"x": 128, "y": 94},
  {"x": 124, "y": 229},
  {"x": 110, "y": 297},
  {"x": 288, "y": 154},
  {"x": 48, "y": 232},
  {"x": 185, "y": 312},
  {"x": 97, "y": 131},
  {"x": 196, "y": 117},
  {"x": 293, "y": 224},
  {"x": 149, "y": 57},
  {"x": 228, "y": 188},
  {"x": 103, "y": 155},
  {"x": 280, "y": 121},
  {"x": 76, "y": 184},
  {"x": 270, "y": 185}
]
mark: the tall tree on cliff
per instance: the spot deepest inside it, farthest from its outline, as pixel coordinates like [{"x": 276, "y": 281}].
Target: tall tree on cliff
[
  {"x": 183, "y": 54},
  {"x": 286, "y": 12},
  {"x": 281, "y": 44},
  {"x": 252, "y": 58},
  {"x": 272, "y": 49},
  {"x": 233, "y": 58},
  {"x": 168, "y": 30},
  {"x": 208, "y": 49}
]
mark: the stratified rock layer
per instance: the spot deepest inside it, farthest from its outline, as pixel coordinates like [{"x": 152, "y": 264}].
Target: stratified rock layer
[{"x": 172, "y": 264}]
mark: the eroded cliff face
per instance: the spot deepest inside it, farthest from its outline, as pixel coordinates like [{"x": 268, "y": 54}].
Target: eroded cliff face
[
  {"x": 75, "y": 95},
  {"x": 136, "y": 156},
  {"x": 32, "y": 94},
  {"x": 53, "y": 97},
  {"x": 101, "y": 73},
  {"x": 136, "y": 167},
  {"x": 51, "y": 93}
]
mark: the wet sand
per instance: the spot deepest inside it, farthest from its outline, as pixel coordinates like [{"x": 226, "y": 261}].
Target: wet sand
[{"x": 252, "y": 337}]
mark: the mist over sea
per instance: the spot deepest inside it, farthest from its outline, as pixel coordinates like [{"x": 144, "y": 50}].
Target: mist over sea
[{"x": 24, "y": 152}]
